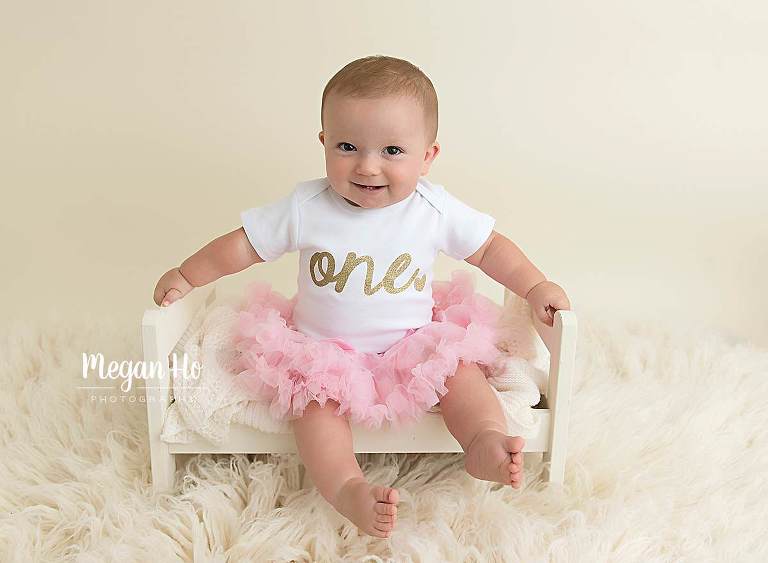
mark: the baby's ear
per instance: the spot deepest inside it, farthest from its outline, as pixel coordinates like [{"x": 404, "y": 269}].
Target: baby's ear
[
  {"x": 321, "y": 136},
  {"x": 429, "y": 158}
]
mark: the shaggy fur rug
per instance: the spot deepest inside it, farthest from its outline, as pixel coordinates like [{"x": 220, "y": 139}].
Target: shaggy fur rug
[{"x": 667, "y": 461}]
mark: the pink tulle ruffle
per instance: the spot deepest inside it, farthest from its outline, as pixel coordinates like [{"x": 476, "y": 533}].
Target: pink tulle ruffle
[{"x": 288, "y": 369}]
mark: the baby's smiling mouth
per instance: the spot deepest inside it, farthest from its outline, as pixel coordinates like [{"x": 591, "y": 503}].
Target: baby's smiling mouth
[{"x": 369, "y": 188}]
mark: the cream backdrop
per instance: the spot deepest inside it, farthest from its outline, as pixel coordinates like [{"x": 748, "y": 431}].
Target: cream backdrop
[{"x": 621, "y": 144}]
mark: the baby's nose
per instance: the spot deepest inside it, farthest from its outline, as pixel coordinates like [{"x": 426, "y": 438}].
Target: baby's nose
[{"x": 368, "y": 165}]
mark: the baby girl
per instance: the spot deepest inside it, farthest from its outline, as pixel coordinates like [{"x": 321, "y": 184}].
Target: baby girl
[{"x": 369, "y": 337}]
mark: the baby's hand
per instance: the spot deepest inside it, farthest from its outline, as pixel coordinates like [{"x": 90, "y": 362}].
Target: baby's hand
[
  {"x": 171, "y": 287},
  {"x": 545, "y": 298}
]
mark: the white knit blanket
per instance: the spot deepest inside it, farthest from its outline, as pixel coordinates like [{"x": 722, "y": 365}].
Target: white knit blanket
[{"x": 206, "y": 406}]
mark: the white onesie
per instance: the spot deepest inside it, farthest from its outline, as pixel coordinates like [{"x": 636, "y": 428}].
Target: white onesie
[{"x": 365, "y": 275}]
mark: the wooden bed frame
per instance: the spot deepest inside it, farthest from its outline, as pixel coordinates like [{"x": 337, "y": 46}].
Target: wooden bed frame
[{"x": 162, "y": 327}]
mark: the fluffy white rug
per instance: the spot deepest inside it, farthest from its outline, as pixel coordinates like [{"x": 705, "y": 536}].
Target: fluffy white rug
[{"x": 668, "y": 461}]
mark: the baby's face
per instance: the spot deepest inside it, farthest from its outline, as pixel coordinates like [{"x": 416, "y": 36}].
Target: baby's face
[{"x": 375, "y": 142}]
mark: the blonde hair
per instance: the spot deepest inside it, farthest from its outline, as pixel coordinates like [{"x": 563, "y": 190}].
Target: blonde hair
[{"x": 378, "y": 76}]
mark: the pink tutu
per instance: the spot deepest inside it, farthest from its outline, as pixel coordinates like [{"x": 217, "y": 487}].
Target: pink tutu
[{"x": 288, "y": 369}]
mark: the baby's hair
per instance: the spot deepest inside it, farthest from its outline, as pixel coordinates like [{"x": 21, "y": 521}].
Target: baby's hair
[{"x": 378, "y": 76}]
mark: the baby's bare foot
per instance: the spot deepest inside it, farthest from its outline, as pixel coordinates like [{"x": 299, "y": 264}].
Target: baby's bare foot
[
  {"x": 494, "y": 456},
  {"x": 372, "y": 508}
]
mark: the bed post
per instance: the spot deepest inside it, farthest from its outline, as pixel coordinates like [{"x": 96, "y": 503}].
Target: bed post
[
  {"x": 161, "y": 329},
  {"x": 560, "y": 339},
  {"x": 162, "y": 461}
]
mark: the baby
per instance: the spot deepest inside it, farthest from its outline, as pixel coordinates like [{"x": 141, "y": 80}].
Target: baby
[{"x": 369, "y": 336}]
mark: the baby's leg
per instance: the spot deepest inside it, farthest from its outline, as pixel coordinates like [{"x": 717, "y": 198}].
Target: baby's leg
[
  {"x": 324, "y": 441},
  {"x": 473, "y": 415}
]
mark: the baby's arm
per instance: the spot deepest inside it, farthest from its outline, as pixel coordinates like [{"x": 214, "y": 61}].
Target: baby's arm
[
  {"x": 222, "y": 256},
  {"x": 502, "y": 260}
]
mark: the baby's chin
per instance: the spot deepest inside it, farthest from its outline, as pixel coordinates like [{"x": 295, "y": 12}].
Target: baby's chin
[
  {"x": 375, "y": 201},
  {"x": 349, "y": 201}
]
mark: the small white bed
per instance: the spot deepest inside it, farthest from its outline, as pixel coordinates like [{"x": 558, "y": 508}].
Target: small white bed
[{"x": 163, "y": 327}]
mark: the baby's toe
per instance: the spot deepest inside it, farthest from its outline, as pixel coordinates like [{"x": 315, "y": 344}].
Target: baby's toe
[
  {"x": 385, "y": 518},
  {"x": 385, "y": 508},
  {"x": 386, "y": 494},
  {"x": 515, "y": 475},
  {"x": 514, "y": 444}
]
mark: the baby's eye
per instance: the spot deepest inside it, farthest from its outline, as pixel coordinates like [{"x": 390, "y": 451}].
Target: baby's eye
[{"x": 397, "y": 150}]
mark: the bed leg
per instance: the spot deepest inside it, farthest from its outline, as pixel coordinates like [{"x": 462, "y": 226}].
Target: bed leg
[
  {"x": 163, "y": 468},
  {"x": 554, "y": 472}
]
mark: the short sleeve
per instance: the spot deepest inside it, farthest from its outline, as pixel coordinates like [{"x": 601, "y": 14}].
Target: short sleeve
[
  {"x": 273, "y": 229},
  {"x": 464, "y": 229}
]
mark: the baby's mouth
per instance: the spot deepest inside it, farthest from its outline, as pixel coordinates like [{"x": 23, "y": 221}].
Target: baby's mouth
[{"x": 369, "y": 188}]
